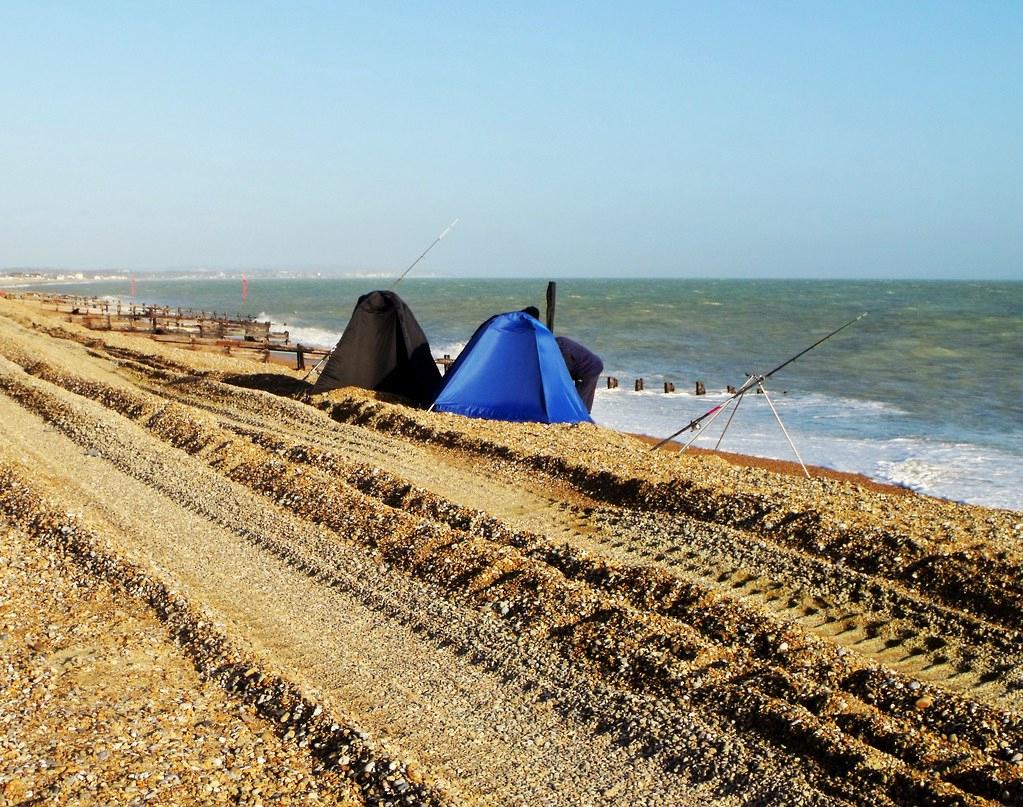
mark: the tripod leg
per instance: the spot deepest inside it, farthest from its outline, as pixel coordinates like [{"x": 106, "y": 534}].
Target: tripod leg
[
  {"x": 728, "y": 422},
  {"x": 785, "y": 431},
  {"x": 696, "y": 432}
]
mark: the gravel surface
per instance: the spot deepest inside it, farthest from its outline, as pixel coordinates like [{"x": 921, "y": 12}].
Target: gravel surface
[
  {"x": 516, "y": 613},
  {"x": 100, "y": 707}
]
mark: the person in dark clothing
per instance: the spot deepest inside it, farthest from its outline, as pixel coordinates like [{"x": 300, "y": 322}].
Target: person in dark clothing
[{"x": 584, "y": 366}]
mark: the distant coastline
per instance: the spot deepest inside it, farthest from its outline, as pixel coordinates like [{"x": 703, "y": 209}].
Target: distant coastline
[
  {"x": 18, "y": 278},
  {"x": 28, "y": 276}
]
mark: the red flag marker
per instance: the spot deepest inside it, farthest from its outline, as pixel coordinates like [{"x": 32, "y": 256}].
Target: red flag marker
[{"x": 245, "y": 288}]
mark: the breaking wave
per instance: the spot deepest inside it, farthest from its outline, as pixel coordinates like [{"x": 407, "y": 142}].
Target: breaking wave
[{"x": 308, "y": 335}]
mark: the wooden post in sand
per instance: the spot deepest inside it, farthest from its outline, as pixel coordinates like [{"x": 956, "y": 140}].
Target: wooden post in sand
[
  {"x": 552, "y": 290},
  {"x": 299, "y": 357},
  {"x": 669, "y": 386},
  {"x": 700, "y": 388},
  {"x": 612, "y": 382},
  {"x": 639, "y": 385}
]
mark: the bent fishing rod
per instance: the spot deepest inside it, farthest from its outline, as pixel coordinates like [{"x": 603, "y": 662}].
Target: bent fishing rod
[
  {"x": 395, "y": 283},
  {"x": 751, "y": 382}
]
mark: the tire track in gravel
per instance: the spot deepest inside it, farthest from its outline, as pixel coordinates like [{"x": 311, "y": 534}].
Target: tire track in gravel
[
  {"x": 733, "y": 764},
  {"x": 479, "y": 487},
  {"x": 931, "y": 652},
  {"x": 100, "y": 394},
  {"x": 963, "y": 556},
  {"x": 913, "y": 647},
  {"x": 946, "y": 653},
  {"x": 414, "y": 694},
  {"x": 855, "y": 611},
  {"x": 923, "y": 644},
  {"x": 398, "y": 493}
]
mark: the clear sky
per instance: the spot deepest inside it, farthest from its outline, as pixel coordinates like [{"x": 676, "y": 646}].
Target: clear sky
[{"x": 818, "y": 139}]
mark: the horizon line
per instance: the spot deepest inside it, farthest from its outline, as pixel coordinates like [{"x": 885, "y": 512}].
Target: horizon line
[{"x": 6, "y": 273}]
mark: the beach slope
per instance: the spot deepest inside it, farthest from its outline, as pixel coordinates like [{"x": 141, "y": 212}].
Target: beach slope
[{"x": 413, "y": 608}]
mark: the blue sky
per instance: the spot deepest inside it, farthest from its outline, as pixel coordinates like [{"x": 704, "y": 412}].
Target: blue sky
[{"x": 660, "y": 140}]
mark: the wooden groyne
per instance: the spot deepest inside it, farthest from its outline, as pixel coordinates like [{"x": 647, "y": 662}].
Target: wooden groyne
[
  {"x": 639, "y": 385},
  {"x": 214, "y": 331}
]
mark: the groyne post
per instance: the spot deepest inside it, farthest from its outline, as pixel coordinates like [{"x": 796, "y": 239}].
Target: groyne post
[{"x": 552, "y": 290}]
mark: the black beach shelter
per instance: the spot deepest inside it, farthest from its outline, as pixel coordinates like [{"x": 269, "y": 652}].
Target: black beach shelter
[{"x": 383, "y": 349}]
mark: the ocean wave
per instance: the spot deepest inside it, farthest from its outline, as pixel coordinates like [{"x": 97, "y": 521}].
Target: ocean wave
[
  {"x": 958, "y": 471},
  {"x": 306, "y": 335},
  {"x": 451, "y": 349},
  {"x": 815, "y": 405},
  {"x": 837, "y": 406},
  {"x": 916, "y": 474}
]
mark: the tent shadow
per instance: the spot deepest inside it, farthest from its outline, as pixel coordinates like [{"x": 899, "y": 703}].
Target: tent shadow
[
  {"x": 289, "y": 387},
  {"x": 275, "y": 383}
]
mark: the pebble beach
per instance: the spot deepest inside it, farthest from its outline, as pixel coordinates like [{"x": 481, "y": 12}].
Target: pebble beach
[{"x": 218, "y": 588}]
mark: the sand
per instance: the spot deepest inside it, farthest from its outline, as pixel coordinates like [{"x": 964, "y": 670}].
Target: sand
[{"x": 403, "y": 607}]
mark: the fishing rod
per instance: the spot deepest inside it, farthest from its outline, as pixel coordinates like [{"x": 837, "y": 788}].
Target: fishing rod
[
  {"x": 751, "y": 382},
  {"x": 395, "y": 283},
  {"x": 417, "y": 260}
]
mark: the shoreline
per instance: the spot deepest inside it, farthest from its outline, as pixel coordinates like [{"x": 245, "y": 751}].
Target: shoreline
[
  {"x": 776, "y": 456},
  {"x": 777, "y": 465},
  {"x": 788, "y": 467}
]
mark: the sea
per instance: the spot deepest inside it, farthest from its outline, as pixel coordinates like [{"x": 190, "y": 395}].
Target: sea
[{"x": 924, "y": 392}]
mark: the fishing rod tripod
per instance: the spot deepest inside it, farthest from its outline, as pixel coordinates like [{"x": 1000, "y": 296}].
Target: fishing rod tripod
[
  {"x": 758, "y": 384},
  {"x": 753, "y": 381}
]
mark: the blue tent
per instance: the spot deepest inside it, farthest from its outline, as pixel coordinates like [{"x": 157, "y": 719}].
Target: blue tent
[{"x": 512, "y": 369}]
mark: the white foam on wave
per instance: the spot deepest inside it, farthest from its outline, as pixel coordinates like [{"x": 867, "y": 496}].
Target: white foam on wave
[
  {"x": 312, "y": 336},
  {"x": 917, "y": 474},
  {"x": 842, "y": 407},
  {"x": 306, "y": 335},
  {"x": 960, "y": 471},
  {"x": 451, "y": 349}
]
